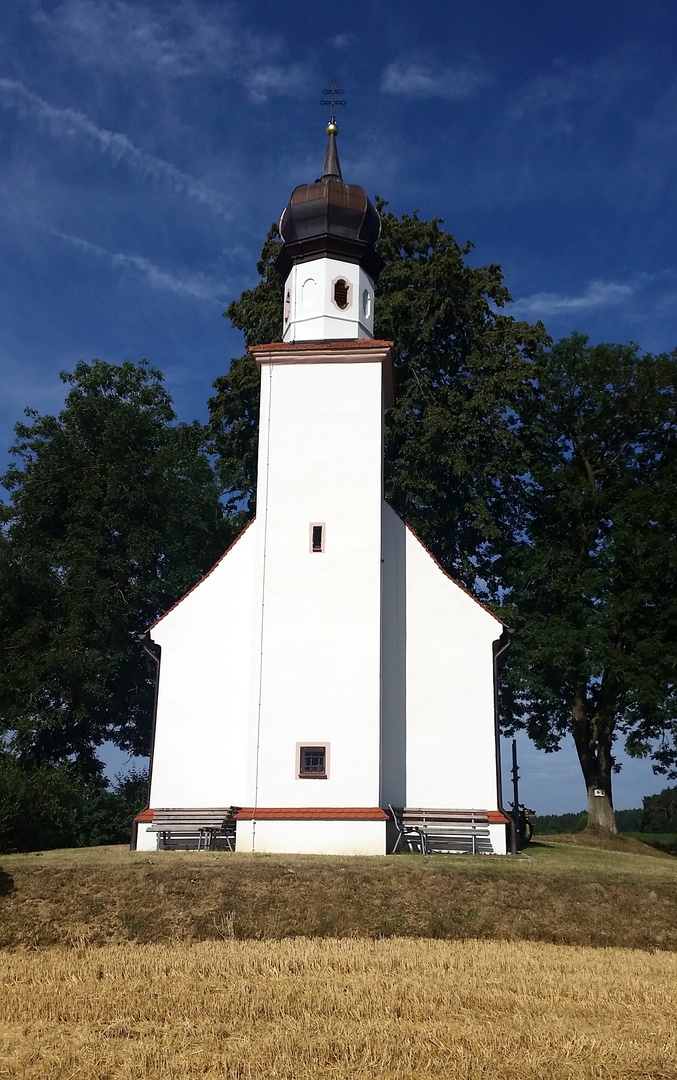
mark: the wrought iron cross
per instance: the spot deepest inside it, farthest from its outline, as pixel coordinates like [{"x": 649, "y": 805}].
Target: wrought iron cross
[{"x": 333, "y": 90}]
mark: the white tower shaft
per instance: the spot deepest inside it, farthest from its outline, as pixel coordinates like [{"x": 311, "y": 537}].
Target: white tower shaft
[{"x": 317, "y": 663}]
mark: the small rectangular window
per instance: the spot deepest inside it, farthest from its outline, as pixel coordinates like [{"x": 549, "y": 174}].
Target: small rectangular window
[
  {"x": 312, "y": 762},
  {"x": 317, "y": 537}
]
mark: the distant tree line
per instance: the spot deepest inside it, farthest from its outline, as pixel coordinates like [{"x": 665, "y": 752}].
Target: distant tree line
[
  {"x": 547, "y": 824},
  {"x": 541, "y": 476},
  {"x": 657, "y": 815}
]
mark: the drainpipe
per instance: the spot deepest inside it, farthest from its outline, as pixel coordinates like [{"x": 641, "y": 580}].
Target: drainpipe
[
  {"x": 144, "y": 639},
  {"x": 499, "y": 649}
]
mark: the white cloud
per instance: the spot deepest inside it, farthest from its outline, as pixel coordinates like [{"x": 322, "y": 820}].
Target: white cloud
[
  {"x": 274, "y": 80},
  {"x": 551, "y": 91},
  {"x": 342, "y": 41},
  {"x": 174, "y": 40},
  {"x": 599, "y": 294},
  {"x": 195, "y": 285},
  {"x": 599, "y": 84},
  {"x": 68, "y": 123},
  {"x": 421, "y": 79}
]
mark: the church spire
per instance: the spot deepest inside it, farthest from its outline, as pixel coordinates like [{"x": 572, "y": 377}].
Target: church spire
[
  {"x": 332, "y": 166},
  {"x": 329, "y": 258}
]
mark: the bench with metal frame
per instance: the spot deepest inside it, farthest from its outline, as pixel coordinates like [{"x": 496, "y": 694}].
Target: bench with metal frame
[
  {"x": 431, "y": 830},
  {"x": 204, "y": 825}
]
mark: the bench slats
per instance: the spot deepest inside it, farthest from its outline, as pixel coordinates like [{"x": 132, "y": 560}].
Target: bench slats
[
  {"x": 443, "y": 830},
  {"x": 203, "y": 823}
]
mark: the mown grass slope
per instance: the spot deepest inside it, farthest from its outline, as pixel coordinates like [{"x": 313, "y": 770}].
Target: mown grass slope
[{"x": 560, "y": 892}]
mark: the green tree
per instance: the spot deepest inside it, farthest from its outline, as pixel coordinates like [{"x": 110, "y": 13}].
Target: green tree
[
  {"x": 52, "y": 806},
  {"x": 594, "y": 570},
  {"x": 660, "y": 811},
  {"x": 452, "y": 452},
  {"x": 113, "y": 513}
]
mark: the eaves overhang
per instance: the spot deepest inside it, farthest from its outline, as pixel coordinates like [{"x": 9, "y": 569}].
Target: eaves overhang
[{"x": 353, "y": 351}]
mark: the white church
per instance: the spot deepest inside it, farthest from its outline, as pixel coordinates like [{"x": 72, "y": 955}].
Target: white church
[{"x": 326, "y": 669}]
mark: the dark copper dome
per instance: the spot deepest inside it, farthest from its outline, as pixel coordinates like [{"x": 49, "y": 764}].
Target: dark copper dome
[{"x": 330, "y": 218}]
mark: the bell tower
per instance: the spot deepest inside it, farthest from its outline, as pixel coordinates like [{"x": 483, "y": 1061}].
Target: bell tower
[
  {"x": 329, "y": 262},
  {"x": 315, "y": 716}
]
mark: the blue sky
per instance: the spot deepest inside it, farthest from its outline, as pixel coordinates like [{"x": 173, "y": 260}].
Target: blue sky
[{"x": 145, "y": 147}]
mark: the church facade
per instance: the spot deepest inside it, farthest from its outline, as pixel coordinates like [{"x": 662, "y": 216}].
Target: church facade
[{"x": 326, "y": 668}]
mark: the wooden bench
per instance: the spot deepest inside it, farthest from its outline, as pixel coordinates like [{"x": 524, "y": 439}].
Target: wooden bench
[
  {"x": 201, "y": 825},
  {"x": 444, "y": 830}
]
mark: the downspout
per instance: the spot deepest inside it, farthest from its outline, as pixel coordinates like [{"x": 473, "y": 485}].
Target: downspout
[
  {"x": 499, "y": 649},
  {"x": 155, "y": 657}
]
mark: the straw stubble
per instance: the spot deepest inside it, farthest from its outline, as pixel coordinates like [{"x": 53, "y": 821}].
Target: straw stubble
[{"x": 326, "y": 1008}]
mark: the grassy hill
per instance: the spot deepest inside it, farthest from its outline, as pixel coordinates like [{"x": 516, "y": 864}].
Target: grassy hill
[{"x": 563, "y": 891}]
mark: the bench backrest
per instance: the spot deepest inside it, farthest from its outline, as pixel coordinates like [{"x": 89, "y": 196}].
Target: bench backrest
[
  {"x": 199, "y": 818},
  {"x": 419, "y": 818}
]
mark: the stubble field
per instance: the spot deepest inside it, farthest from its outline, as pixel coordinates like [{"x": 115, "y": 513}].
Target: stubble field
[{"x": 327, "y": 1008}]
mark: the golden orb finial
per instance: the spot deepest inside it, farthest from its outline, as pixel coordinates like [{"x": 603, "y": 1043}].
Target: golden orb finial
[{"x": 332, "y": 128}]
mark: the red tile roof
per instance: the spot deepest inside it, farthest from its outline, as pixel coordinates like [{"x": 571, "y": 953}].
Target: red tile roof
[
  {"x": 317, "y": 813},
  {"x": 312, "y": 813}
]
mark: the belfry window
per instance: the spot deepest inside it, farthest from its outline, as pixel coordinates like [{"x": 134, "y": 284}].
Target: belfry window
[
  {"x": 312, "y": 762},
  {"x": 317, "y": 537},
  {"x": 341, "y": 288}
]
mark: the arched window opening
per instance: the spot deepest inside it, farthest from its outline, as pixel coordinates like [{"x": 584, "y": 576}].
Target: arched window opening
[{"x": 341, "y": 294}]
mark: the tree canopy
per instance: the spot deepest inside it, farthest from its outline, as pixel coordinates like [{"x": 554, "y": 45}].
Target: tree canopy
[
  {"x": 451, "y": 448},
  {"x": 593, "y": 571},
  {"x": 660, "y": 811},
  {"x": 113, "y": 513}
]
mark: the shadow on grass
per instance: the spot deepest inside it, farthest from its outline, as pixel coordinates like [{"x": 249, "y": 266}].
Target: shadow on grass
[{"x": 6, "y": 883}]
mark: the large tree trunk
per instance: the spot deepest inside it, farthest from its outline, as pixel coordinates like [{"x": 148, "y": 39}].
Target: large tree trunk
[{"x": 593, "y": 736}]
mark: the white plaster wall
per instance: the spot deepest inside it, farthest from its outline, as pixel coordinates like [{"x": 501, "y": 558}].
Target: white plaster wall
[
  {"x": 145, "y": 841},
  {"x": 314, "y": 837},
  {"x": 313, "y": 315},
  {"x": 499, "y": 839},
  {"x": 203, "y": 703},
  {"x": 448, "y": 683},
  {"x": 317, "y": 677}
]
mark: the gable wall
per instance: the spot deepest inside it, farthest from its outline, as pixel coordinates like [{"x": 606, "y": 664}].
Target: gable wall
[
  {"x": 203, "y": 702},
  {"x": 442, "y": 665}
]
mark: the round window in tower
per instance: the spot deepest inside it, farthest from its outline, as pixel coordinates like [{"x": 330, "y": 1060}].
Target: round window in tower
[
  {"x": 341, "y": 288},
  {"x": 287, "y": 306}
]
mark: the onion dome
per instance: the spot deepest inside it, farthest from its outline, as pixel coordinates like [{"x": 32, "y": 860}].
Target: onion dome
[{"x": 330, "y": 218}]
